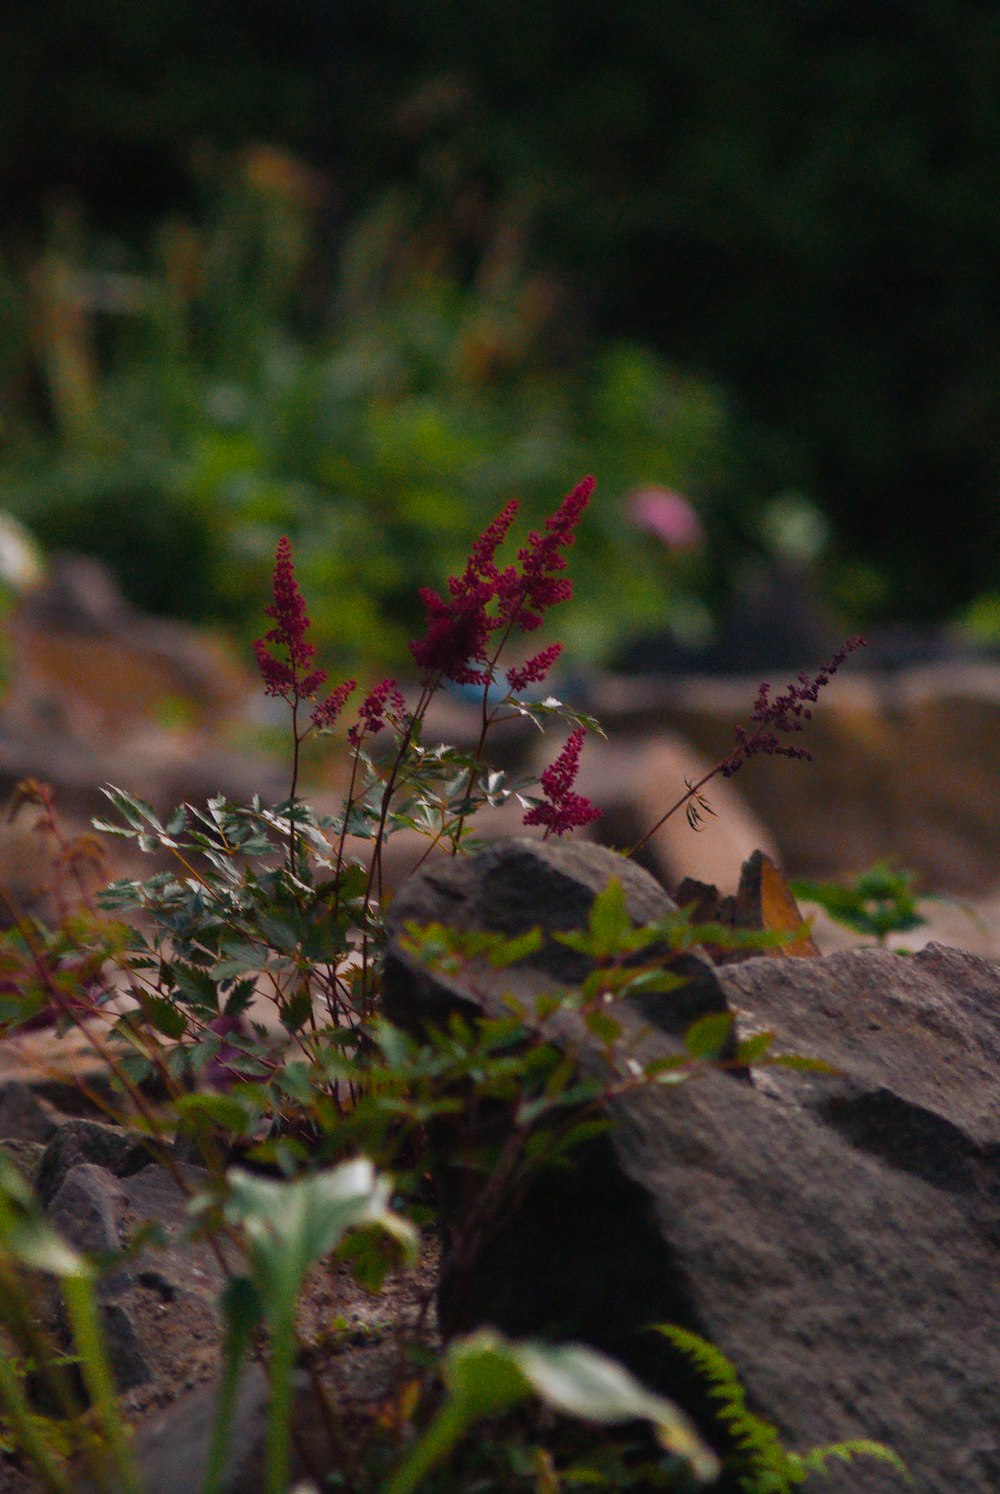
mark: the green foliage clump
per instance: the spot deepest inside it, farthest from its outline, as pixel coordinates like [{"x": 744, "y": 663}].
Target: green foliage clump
[
  {"x": 796, "y": 200},
  {"x": 222, "y": 390},
  {"x": 879, "y": 902}
]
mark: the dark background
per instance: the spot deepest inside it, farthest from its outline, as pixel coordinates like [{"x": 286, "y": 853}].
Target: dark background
[{"x": 798, "y": 201}]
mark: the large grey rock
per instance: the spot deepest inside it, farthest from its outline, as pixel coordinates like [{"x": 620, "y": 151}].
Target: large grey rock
[
  {"x": 917, "y": 1045},
  {"x": 836, "y": 1237},
  {"x": 519, "y": 884}
]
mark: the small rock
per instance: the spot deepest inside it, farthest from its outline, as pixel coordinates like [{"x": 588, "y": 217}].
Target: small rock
[
  {"x": 171, "y": 1452},
  {"x": 97, "y": 1211},
  {"x": 25, "y": 1155},
  {"x": 121, "y": 1152},
  {"x": 84, "y": 1208},
  {"x": 24, "y": 1116},
  {"x": 129, "y": 1364}
]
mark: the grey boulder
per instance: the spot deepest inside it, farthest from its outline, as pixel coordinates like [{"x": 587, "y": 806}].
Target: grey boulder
[{"x": 834, "y": 1235}]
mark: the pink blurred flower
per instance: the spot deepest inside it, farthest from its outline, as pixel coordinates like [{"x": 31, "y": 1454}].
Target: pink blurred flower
[{"x": 668, "y": 515}]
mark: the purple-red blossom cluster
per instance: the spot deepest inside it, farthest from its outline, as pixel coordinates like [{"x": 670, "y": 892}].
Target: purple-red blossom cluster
[
  {"x": 486, "y": 599},
  {"x": 459, "y": 644},
  {"x": 292, "y": 678},
  {"x": 288, "y": 609},
  {"x": 786, "y": 713},
  {"x": 563, "y": 810},
  {"x": 533, "y": 670},
  {"x": 385, "y": 699},
  {"x": 326, "y": 713},
  {"x": 540, "y": 557}
]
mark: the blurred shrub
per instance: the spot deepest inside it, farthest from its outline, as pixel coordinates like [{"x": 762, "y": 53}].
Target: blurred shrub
[
  {"x": 202, "y": 403},
  {"x": 797, "y": 198}
]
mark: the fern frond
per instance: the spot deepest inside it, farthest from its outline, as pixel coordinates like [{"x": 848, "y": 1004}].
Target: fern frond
[
  {"x": 859, "y": 1447},
  {"x": 754, "y": 1439},
  {"x": 706, "y": 1358},
  {"x": 762, "y": 1463}
]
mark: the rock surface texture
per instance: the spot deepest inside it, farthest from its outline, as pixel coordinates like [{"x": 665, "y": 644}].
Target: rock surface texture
[{"x": 836, "y": 1236}]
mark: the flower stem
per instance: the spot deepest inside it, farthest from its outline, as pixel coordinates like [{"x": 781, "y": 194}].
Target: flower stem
[
  {"x": 296, "y": 739},
  {"x": 694, "y": 789}
]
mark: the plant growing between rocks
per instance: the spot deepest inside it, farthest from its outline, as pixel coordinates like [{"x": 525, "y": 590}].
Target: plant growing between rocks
[
  {"x": 878, "y": 902},
  {"x": 318, "y": 1132}
]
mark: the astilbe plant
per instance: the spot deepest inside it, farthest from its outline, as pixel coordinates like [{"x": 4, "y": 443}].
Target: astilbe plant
[
  {"x": 278, "y": 905},
  {"x": 285, "y": 658},
  {"x": 786, "y": 714}
]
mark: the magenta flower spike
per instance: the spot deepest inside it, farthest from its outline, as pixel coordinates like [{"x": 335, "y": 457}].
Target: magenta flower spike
[
  {"x": 284, "y": 657},
  {"x": 563, "y": 809},
  {"x": 486, "y": 599},
  {"x": 286, "y": 677},
  {"x": 385, "y": 700},
  {"x": 786, "y": 713},
  {"x": 325, "y": 714},
  {"x": 525, "y": 598},
  {"x": 533, "y": 670}
]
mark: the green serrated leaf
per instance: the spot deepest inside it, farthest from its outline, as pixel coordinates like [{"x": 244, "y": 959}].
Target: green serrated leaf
[
  {"x": 294, "y": 1080},
  {"x": 163, "y": 1016},
  {"x": 107, "y": 827},
  {"x": 134, "y": 811},
  {"x": 218, "y": 1110},
  {"x": 134, "y": 1067},
  {"x": 240, "y": 997},
  {"x": 583, "y": 1093},
  {"x": 227, "y": 969},
  {"x": 395, "y": 1046},
  {"x": 657, "y": 981},
  {"x": 675, "y": 1064},
  {"x": 177, "y": 821},
  {"x": 547, "y": 1005},
  {"x": 296, "y": 1010},
  {"x": 609, "y": 921},
  {"x": 509, "y": 950},
  {"x": 279, "y": 935}
]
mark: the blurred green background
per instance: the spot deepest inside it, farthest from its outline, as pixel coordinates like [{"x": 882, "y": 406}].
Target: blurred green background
[{"x": 361, "y": 271}]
